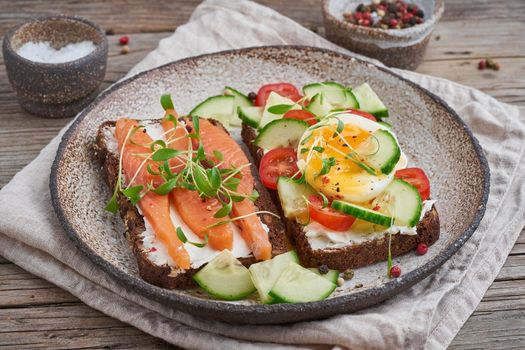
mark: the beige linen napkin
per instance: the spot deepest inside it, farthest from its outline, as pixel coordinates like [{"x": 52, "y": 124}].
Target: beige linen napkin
[{"x": 427, "y": 316}]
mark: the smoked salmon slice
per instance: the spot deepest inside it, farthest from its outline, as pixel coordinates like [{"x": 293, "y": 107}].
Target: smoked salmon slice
[
  {"x": 215, "y": 138},
  {"x": 196, "y": 212},
  {"x": 155, "y": 208}
]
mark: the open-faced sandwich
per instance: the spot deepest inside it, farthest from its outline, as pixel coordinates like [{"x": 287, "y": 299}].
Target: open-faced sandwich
[{"x": 331, "y": 192}]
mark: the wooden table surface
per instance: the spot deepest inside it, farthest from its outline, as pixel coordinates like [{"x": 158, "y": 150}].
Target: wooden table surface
[{"x": 35, "y": 313}]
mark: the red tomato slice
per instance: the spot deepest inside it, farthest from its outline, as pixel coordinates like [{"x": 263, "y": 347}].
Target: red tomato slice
[
  {"x": 283, "y": 89},
  {"x": 327, "y": 216},
  {"x": 417, "y": 178},
  {"x": 362, "y": 114},
  {"x": 301, "y": 115},
  {"x": 275, "y": 163}
]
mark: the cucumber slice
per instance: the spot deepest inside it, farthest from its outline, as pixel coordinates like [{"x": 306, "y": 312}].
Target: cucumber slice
[
  {"x": 362, "y": 213},
  {"x": 385, "y": 124},
  {"x": 273, "y": 100},
  {"x": 251, "y": 115},
  {"x": 216, "y": 107},
  {"x": 291, "y": 195},
  {"x": 403, "y": 201},
  {"x": 266, "y": 273},
  {"x": 351, "y": 101},
  {"x": 388, "y": 152},
  {"x": 336, "y": 94},
  {"x": 369, "y": 101},
  {"x": 331, "y": 275},
  {"x": 225, "y": 277},
  {"x": 281, "y": 133},
  {"x": 241, "y": 100},
  {"x": 299, "y": 285},
  {"x": 319, "y": 106}
]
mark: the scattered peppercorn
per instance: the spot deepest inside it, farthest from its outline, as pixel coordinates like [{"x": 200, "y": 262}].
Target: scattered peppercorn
[
  {"x": 488, "y": 63},
  {"x": 348, "y": 274},
  {"x": 422, "y": 249},
  {"x": 124, "y": 50},
  {"x": 323, "y": 269},
  {"x": 395, "y": 271},
  {"x": 359, "y": 285},
  {"x": 252, "y": 96},
  {"x": 386, "y": 15},
  {"x": 123, "y": 40}
]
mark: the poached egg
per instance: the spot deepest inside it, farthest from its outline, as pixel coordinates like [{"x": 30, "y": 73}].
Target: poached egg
[{"x": 323, "y": 157}]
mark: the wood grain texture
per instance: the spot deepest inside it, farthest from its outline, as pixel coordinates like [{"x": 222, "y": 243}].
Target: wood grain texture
[{"x": 36, "y": 314}]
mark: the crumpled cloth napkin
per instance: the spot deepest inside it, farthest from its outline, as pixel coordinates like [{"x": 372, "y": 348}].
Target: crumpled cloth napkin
[{"x": 428, "y": 315}]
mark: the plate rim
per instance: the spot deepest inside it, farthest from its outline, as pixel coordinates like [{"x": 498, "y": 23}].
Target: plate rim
[{"x": 268, "y": 314}]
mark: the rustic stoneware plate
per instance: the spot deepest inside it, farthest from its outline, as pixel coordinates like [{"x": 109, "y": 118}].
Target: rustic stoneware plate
[{"x": 432, "y": 135}]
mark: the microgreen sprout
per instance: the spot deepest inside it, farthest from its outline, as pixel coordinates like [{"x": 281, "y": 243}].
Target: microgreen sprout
[{"x": 182, "y": 237}]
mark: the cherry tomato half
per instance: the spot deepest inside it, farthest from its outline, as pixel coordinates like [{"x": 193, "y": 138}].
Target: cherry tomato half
[
  {"x": 283, "y": 89},
  {"x": 417, "y": 178},
  {"x": 362, "y": 114},
  {"x": 327, "y": 216},
  {"x": 275, "y": 163},
  {"x": 301, "y": 115}
]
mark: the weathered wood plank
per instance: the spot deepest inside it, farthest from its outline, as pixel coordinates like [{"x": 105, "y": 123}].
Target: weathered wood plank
[
  {"x": 506, "y": 84},
  {"x": 69, "y": 327}
]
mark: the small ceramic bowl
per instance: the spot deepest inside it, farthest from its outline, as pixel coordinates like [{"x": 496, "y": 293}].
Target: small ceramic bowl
[
  {"x": 401, "y": 48},
  {"x": 55, "y": 89}
]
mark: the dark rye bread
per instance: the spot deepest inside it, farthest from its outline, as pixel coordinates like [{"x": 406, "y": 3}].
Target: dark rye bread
[
  {"x": 355, "y": 255},
  {"x": 166, "y": 276}
]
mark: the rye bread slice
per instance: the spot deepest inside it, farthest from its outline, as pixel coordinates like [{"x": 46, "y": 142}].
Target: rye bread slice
[
  {"x": 354, "y": 255},
  {"x": 166, "y": 276}
]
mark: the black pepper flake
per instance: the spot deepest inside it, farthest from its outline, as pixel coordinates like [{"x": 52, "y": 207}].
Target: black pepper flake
[
  {"x": 189, "y": 128},
  {"x": 144, "y": 130},
  {"x": 359, "y": 285},
  {"x": 323, "y": 269},
  {"x": 252, "y": 96},
  {"x": 338, "y": 190}
]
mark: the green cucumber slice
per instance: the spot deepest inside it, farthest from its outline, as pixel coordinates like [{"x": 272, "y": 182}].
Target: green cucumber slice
[
  {"x": 217, "y": 107},
  {"x": 291, "y": 195},
  {"x": 369, "y": 101},
  {"x": 388, "y": 152},
  {"x": 403, "y": 201},
  {"x": 264, "y": 274},
  {"x": 319, "y": 106},
  {"x": 385, "y": 124},
  {"x": 351, "y": 101},
  {"x": 331, "y": 275},
  {"x": 251, "y": 115},
  {"x": 241, "y": 100},
  {"x": 273, "y": 100},
  {"x": 281, "y": 133},
  {"x": 225, "y": 278},
  {"x": 362, "y": 213},
  {"x": 299, "y": 285},
  {"x": 336, "y": 94}
]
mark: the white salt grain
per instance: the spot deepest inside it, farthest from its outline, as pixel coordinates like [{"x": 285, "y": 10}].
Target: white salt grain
[{"x": 43, "y": 52}]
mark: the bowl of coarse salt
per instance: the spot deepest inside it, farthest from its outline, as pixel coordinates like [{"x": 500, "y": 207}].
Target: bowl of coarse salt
[{"x": 55, "y": 64}]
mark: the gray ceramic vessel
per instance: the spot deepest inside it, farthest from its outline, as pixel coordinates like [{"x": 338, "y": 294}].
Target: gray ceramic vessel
[
  {"x": 432, "y": 135},
  {"x": 401, "y": 48},
  {"x": 55, "y": 89}
]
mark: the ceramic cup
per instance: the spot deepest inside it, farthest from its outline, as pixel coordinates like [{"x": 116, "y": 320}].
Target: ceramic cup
[
  {"x": 55, "y": 90},
  {"x": 401, "y": 48}
]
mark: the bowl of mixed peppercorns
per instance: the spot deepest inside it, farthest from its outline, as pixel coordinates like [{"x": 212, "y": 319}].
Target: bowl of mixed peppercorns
[{"x": 396, "y": 32}]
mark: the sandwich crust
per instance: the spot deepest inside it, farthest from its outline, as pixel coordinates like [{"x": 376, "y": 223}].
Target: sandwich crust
[
  {"x": 353, "y": 255},
  {"x": 166, "y": 276}
]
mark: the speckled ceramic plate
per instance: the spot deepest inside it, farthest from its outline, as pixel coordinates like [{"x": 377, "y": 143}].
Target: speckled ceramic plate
[{"x": 432, "y": 135}]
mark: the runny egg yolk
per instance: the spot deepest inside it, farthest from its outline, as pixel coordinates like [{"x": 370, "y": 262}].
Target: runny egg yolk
[{"x": 330, "y": 162}]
